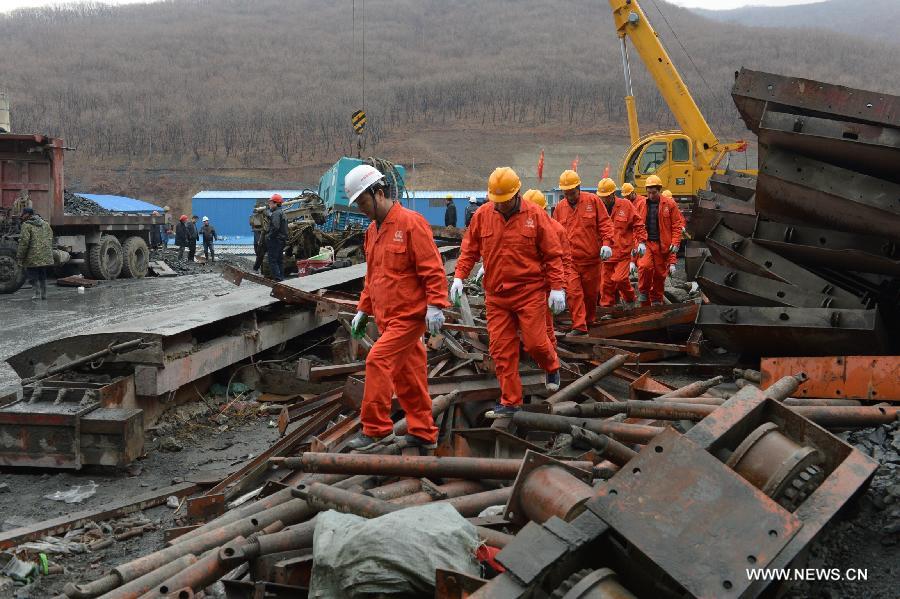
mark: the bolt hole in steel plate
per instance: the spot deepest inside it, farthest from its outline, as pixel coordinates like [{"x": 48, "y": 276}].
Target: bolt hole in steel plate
[{"x": 693, "y": 516}]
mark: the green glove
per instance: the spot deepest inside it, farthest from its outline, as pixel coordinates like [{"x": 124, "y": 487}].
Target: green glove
[{"x": 358, "y": 326}]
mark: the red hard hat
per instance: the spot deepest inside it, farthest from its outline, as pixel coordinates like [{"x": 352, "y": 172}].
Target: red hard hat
[
  {"x": 276, "y": 198},
  {"x": 183, "y": 217}
]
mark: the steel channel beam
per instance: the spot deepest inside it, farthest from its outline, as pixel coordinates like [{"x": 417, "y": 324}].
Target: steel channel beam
[
  {"x": 709, "y": 207},
  {"x": 874, "y": 378},
  {"x": 793, "y": 331},
  {"x": 674, "y": 314},
  {"x": 802, "y": 191},
  {"x": 737, "y": 186},
  {"x": 830, "y": 249}
]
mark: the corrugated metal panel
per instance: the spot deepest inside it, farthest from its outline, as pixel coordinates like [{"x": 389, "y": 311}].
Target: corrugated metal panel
[
  {"x": 121, "y": 203},
  {"x": 256, "y": 194},
  {"x": 230, "y": 216}
]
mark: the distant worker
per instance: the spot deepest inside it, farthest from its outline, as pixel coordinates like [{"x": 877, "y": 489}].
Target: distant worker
[
  {"x": 629, "y": 240},
  {"x": 521, "y": 254},
  {"x": 155, "y": 233},
  {"x": 405, "y": 289},
  {"x": 590, "y": 233},
  {"x": 259, "y": 223},
  {"x": 35, "y": 251},
  {"x": 208, "y": 233},
  {"x": 471, "y": 207},
  {"x": 193, "y": 238},
  {"x": 184, "y": 237},
  {"x": 450, "y": 213},
  {"x": 629, "y": 193},
  {"x": 276, "y": 237},
  {"x": 572, "y": 287},
  {"x": 664, "y": 223},
  {"x": 167, "y": 228}
]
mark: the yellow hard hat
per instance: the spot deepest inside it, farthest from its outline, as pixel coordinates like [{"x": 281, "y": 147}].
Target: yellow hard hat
[
  {"x": 606, "y": 187},
  {"x": 653, "y": 181},
  {"x": 666, "y": 193},
  {"x": 627, "y": 189},
  {"x": 535, "y": 197},
  {"x": 569, "y": 180},
  {"x": 503, "y": 184}
]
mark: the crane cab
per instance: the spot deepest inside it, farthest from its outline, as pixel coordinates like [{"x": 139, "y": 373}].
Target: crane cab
[{"x": 670, "y": 156}]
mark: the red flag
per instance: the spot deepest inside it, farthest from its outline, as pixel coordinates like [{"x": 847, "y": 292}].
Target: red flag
[
  {"x": 541, "y": 166},
  {"x": 575, "y": 163},
  {"x": 606, "y": 171}
]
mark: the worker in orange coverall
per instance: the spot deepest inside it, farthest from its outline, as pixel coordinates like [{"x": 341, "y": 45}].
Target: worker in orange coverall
[
  {"x": 406, "y": 289},
  {"x": 573, "y": 289},
  {"x": 521, "y": 254},
  {"x": 590, "y": 234},
  {"x": 628, "y": 241},
  {"x": 664, "y": 224}
]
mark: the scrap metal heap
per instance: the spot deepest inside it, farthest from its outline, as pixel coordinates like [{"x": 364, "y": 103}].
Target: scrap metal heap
[
  {"x": 616, "y": 485},
  {"x": 806, "y": 258}
]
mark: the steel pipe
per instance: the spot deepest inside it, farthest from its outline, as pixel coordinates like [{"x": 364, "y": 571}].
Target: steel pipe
[
  {"x": 605, "y": 446},
  {"x": 199, "y": 575},
  {"x": 789, "y": 401},
  {"x": 785, "y": 386},
  {"x": 627, "y": 433},
  {"x": 151, "y": 580},
  {"x": 550, "y": 491},
  {"x": 401, "y": 488},
  {"x": 452, "y": 489},
  {"x": 695, "y": 388},
  {"x": 574, "y": 389}
]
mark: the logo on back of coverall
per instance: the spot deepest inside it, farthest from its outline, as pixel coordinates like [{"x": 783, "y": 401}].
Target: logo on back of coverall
[{"x": 398, "y": 236}]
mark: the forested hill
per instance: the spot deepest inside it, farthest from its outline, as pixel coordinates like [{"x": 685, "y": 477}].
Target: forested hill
[{"x": 233, "y": 80}]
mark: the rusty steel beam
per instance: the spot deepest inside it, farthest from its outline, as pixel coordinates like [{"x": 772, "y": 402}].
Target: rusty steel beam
[
  {"x": 605, "y": 446},
  {"x": 793, "y": 331},
  {"x": 576, "y": 387},
  {"x": 627, "y": 433},
  {"x": 299, "y": 411},
  {"x": 733, "y": 185},
  {"x": 117, "y": 509},
  {"x": 672, "y": 315},
  {"x": 418, "y": 466},
  {"x": 709, "y": 207},
  {"x": 850, "y": 377},
  {"x": 307, "y": 372}
]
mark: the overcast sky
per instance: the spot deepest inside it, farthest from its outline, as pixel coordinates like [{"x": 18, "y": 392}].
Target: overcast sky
[{"x": 8, "y": 5}]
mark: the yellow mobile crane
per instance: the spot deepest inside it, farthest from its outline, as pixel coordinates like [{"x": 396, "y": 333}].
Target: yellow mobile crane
[{"x": 685, "y": 159}]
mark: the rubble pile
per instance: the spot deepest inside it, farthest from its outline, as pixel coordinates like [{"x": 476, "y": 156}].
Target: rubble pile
[{"x": 81, "y": 206}]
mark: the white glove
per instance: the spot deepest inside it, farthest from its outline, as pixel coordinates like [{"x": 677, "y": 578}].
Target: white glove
[
  {"x": 632, "y": 269},
  {"x": 673, "y": 249},
  {"x": 641, "y": 249},
  {"x": 358, "y": 325},
  {"x": 480, "y": 275},
  {"x": 456, "y": 290},
  {"x": 434, "y": 319},
  {"x": 671, "y": 270},
  {"x": 557, "y": 301},
  {"x": 605, "y": 252}
]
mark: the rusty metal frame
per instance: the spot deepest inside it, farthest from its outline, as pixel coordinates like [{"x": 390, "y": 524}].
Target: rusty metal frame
[
  {"x": 875, "y": 378},
  {"x": 672, "y": 315}
]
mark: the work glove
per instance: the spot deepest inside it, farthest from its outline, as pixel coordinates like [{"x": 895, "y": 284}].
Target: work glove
[
  {"x": 434, "y": 319},
  {"x": 358, "y": 325},
  {"x": 673, "y": 249},
  {"x": 632, "y": 269},
  {"x": 605, "y": 252},
  {"x": 456, "y": 291},
  {"x": 557, "y": 301},
  {"x": 671, "y": 270},
  {"x": 480, "y": 275},
  {"x": 641, "y": 250}
]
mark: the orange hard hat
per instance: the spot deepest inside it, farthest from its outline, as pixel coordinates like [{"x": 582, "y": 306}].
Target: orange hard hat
[
  {"x": 653, "y": 181},
  {"x": 503, "y": 184},
  {"x": 606, "y": 187},
  {"x": 535, "y": 197},
  {"x": 569, "y": 180},
  {"x": 666, "y": 193}
]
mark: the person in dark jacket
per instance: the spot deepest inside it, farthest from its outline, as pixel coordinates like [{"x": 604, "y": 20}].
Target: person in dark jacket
[
  {"x": 155, "y": 239},
  {"x": 208, "y": 233},
  {"x": 193, "y": 237},
  {"x": 450, "y": 213},
  {"x": 35, "y": 251},
  {"x": 276, "y": 237},
  {"x": 471, "y": 207},
  {"x": 183, "y": 236},
  {"x": 259, "y": 222}
]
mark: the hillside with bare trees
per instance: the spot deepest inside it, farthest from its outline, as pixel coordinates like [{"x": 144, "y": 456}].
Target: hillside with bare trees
[{"x": 232, "y": 84}]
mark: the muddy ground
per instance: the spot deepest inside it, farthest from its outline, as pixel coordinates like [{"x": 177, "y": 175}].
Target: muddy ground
[{"x": 866, "y": 536}]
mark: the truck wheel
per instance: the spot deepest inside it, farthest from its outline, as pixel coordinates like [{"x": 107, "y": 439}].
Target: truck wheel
[
  {"x": 12, "y": 276},
  {"x": 106, "y": 258},
  {"x": 135, "y": 257}
]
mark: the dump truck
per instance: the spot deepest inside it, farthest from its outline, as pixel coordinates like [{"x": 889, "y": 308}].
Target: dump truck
[{"x": 103, "y": 246}]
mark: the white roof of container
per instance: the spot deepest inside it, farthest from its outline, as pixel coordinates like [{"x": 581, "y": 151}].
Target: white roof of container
[
  {"x": 247, "y": 194},
  {"x": 441, "y": 193}
]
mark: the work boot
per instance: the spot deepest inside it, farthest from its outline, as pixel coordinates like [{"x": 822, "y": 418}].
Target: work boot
[
  {"x": 36, "y": 291},
  {"x": 576, "y": 333},
  {"x": 552, "y": 381},
  {"x": 44, "y": 290},
  {"x": 502, "y": 411},
  {"x": 414, "y": 441},
  {"x": 606, "y": 317},
  {"x": 628, "y": 306},
  {"x": 362, "y": 441}
]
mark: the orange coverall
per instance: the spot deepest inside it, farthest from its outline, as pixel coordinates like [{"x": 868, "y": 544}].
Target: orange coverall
[
  {"x": 629, "y": 232},
  {"x": 404, "y": 275},
  {"x": 574, "y": 299},
  {"x": 520, "y": 256},
  {"x": 654, "y": 266},
  {"x": 588, "y": 227}
]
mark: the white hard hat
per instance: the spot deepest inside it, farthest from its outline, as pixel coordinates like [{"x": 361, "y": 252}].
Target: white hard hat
[
  {"x": 359, "y": 179},
  {"x": 206, "y": 219},
  {"x": 472, "y": 200}
]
